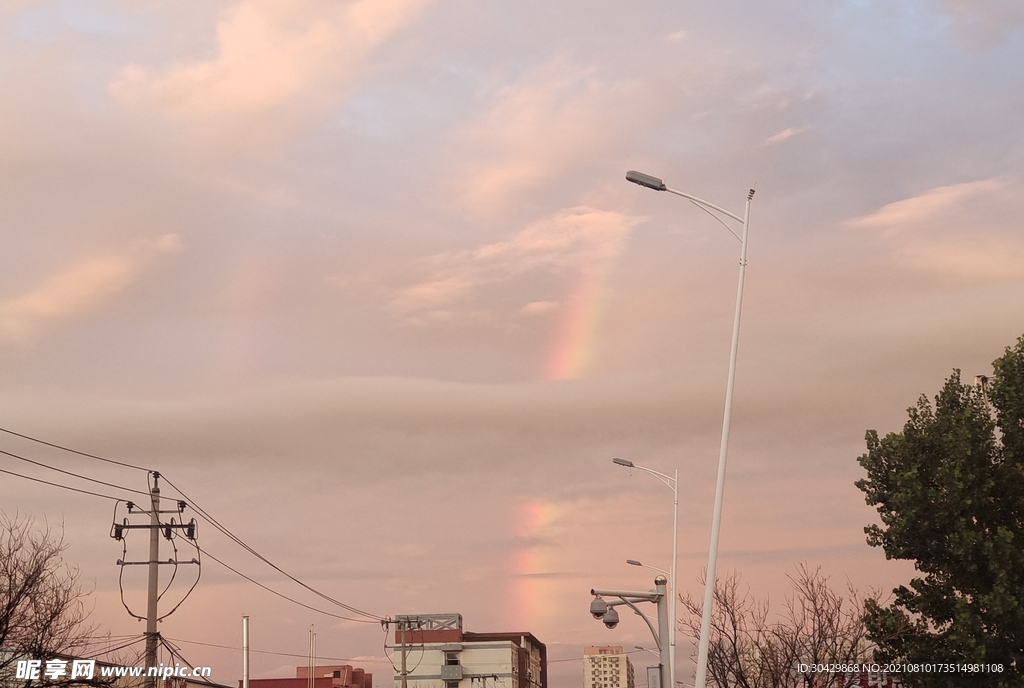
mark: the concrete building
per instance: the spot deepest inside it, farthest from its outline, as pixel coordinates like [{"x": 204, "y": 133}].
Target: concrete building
[
  {"x": 439, "y": 654},
  {"x": 332, "y": 676},
  {"x": 607, "y": 666}
]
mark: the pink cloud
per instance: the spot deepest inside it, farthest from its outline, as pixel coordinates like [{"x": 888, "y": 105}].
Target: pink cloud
[
  {"x": 272, "y": 54},
  {"x": 961, "y": 232},
  {"x": 535, "y": 127},
  {"x": 575, "y": 237},
  {"x": 79, "y": 287},
  {"x": 925, "y": 205}
]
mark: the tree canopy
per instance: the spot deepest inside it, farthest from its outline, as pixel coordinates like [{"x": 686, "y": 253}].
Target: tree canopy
[
  {"x": 752, "y": 647},
  {"x": 949, "y": 490},
  {"x": 42, "y": 614}
]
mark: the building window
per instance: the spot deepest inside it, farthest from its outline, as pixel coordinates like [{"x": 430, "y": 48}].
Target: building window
[
  {"x": 451, "y": 659},
  {"x": 451, "y": 684}
]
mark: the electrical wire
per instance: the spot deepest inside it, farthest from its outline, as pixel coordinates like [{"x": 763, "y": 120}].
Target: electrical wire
[
  {"x": 73, "y": 451},
  {"x": 174, "y": 535},
  {"x": 120, "y": 583},
  {"x": 199, "y": 575},
  {"x": 71, "y": 473},
  {"x": 423, "y": 652},
  {"x": 176, "y": 654},
  {"x": 123, "y": 646},
  {"x": 280, "y": 654},
  {"x": 88, "y": 641},
  {"x": 119, "y": 645},
  {"x": 75, "y": 475},
  {"x": 66, "y": 487},
  {"x": 384, "y": 627},
  {"x": 422, "y": 646},
  {"x": 281, "y": 595},
  {"x": 174, "y": 571},
  {"x": 372, "y": 618}
]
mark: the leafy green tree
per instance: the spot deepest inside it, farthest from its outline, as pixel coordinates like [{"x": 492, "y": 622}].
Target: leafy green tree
[{"x": 950, "y": 493}]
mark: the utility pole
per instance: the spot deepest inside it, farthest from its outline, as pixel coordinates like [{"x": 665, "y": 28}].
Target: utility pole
[
  {"x": 310, "y": 679},
  {"x": 405, "y": 674},
  {"x": 152, "y": 635},
  {"x": 245, "y": 652},
  {"x": 156, "y": 528}
]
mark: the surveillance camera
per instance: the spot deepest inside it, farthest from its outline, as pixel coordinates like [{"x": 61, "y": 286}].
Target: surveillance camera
[
  {"x": 598, "y": 608},
  {"x": 611, "y": 618}
]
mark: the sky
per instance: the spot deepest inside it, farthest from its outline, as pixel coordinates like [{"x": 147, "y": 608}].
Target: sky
[{"x": 365, "y": 281}]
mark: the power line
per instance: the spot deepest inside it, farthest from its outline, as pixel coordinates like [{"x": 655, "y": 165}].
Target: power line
[
  {"x": 372, "y": 618},
  {"x": 281, "y": 595},
  {"x": 71, "y": 473},
  {"x": 243, "y": 545},
  {"x": 280, "y": 654},
  {"x": 176, "y": 653},
  {"x": 66, "y": 487},
  {"x": 121, "y": 647},
  {"x": 73, "y": 451}
]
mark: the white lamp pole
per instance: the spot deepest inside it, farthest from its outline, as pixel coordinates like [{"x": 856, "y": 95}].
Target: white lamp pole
[
  {"x": 716, "y": 520},
  {"x": 673, "y": 484}
]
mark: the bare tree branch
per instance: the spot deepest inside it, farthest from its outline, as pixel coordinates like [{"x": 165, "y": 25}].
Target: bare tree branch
[
  {"x": 42, "y": 605},
  {"x": 750, "y": 649}
]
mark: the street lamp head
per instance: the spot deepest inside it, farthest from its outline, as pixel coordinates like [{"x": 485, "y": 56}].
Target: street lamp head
[
  {"x": 623, "y": 462},
  {"x": 633, "y": 562},
  {"x": 645, "y": 180}
]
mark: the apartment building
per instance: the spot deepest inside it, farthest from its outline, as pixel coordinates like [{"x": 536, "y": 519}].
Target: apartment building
[
  {"x": 607, "y": 666},
  {"x": 433, "y": 651}
]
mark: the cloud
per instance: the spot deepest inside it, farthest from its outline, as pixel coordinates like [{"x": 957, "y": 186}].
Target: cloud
[
  {"x": 538, "y": 307},
  {"x": 79, "y": 287},
  {"x": 579, "y": 238},
  {"x": 983, "y": 23},
  {"x": 926, "y": 205},
  {"x": 783, "y": 135},
  {"x": 535, "y": 128},
  {"x": 272, "y": 55},
  {"x": 965, "y": 233}
]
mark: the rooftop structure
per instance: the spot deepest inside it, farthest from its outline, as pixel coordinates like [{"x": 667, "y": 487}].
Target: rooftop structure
[
  {"x": 327, "y": 676},
  {"x": 433, "y": 651}
]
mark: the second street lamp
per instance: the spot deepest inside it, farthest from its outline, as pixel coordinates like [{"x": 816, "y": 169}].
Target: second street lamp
[
  {"x": 634, "y": 562},
  {"x": 715, "y": 211},
  {"x": 673, "y": 484}
]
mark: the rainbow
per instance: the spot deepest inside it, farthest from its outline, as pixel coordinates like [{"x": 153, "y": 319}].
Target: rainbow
[
  {"x": 532, "y": 601},
  {"x": 572, "y": 349}
]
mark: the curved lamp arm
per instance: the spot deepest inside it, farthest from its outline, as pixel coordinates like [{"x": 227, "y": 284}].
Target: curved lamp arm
[{"x": 623, "y": 600}]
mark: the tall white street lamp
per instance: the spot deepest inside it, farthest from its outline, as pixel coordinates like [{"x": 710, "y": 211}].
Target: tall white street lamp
[
  {"x": 673, "y": 484},
  {"x": 716, "y": 521}
]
